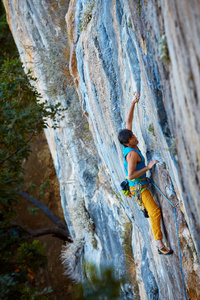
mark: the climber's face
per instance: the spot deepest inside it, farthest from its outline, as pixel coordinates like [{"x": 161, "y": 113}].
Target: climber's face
[{"x": 133, "y": 141}]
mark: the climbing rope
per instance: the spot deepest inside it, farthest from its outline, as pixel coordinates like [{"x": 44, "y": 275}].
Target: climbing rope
[{"x": 179, "y": 247}]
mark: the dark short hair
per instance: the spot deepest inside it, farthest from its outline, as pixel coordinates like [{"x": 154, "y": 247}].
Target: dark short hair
[{"x": 124, "y": 135}]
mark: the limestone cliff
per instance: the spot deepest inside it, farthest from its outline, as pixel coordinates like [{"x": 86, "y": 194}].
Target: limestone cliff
[{"x": 112, "y": 49}]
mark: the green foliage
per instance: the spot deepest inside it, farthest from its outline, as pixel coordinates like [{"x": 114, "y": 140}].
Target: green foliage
[
  {"x": 31, "y": 256},
  {"x": 31, "y": 186},
  {"x": 7, "y": 283},
  {"x": 80, "y": 28},
  {"x": 45, "y": 185},
  {"x": 4, "y": 29},
  {"x": 96, "y": 167},
  {"x": 139, "y": 9},
  {"x": 98, "y": 284},
  {"x": 163, "y": 164},
  {"x": 129, "y": 258},
  {"x": 130, "y": 23},
  {"x": 118, "y": 196},
  {"x": 8, "y": 48},
  {"x": 41, "y": 190},
  {"x": 55, "y": 58},
  {"x": 33, "y": 294},
  {"x": 151, "y": 129},
  {"x": 86, "y": 15},
  {"x": 12, "y": 289},
  {"x": 33, "y": 210},
  {"x": 172, "y": 147},
  {"x": 127, "y": 239},
  {"x": 22, "y": 117},
  {"x": 189, "y": 244},
  {"x": 163, "y": 49}
]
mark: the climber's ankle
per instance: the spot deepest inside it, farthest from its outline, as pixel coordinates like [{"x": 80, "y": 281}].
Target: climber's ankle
[{"x": 160, "y": 243}]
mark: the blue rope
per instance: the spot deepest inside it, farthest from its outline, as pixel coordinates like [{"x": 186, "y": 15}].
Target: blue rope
[
  {"x": 161, "y": 192},
  {"x": 179, "y": 247}
]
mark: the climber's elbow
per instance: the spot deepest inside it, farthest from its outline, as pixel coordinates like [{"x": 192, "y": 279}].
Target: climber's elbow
[{"x": 132, "y": 176}]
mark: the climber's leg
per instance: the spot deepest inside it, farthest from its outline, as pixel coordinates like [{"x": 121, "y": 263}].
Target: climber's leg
[
  {"x": 154, "y": 214},
  {"x": 155, "y": 219}
]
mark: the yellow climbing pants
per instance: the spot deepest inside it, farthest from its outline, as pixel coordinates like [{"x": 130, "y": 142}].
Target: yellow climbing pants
[{"x": 153, "y": 212}]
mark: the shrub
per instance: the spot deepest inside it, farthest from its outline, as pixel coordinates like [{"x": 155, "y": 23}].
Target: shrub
[
  {"x": 86, "y": 14},
  {"x": 163, "y": 49}
]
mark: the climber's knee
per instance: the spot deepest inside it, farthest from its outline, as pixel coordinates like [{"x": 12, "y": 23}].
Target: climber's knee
[{"x": 150, "y": 204}]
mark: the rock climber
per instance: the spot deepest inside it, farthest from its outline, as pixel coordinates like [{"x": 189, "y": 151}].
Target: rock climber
[{"x": 135, "y": 169}]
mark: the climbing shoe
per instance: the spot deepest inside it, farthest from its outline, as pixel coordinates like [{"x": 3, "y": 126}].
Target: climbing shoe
[{"x": 165, "y": 251}]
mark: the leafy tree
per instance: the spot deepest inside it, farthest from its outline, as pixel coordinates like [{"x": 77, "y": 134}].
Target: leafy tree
[
  {"x": 22, "y": 117},
  {"x": 8, "y": 48}
]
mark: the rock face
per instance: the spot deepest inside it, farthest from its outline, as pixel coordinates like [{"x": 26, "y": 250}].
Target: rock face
[{"x": 112, "y": 49}]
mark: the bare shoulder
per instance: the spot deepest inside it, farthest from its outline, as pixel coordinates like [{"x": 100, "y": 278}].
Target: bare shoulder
[{"x": 132, "y": 156}]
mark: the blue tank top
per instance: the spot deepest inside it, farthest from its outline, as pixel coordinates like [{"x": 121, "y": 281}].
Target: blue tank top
[{"x": 139, "y": 166}]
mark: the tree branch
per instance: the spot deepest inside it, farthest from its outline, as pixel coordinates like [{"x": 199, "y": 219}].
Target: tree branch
[
  {"x": 47, "y": 212},
  {"x": 55, "y": 231}
]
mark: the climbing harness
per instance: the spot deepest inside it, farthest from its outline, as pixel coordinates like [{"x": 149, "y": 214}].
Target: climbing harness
[
  {"x": 136, "y": 193},
  {"x": 138, "y": 189},
  {"x": 179, "y": 247}
]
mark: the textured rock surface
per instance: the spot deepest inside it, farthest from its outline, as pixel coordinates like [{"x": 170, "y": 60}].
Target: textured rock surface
[{"x": 120, "y": 50}]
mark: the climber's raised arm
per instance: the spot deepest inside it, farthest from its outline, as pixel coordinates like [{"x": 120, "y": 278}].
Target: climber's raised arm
[{"x": 129, "y": 120}]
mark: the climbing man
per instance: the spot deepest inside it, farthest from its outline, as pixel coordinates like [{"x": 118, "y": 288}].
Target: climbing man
[{"x": 135, "y": 169}]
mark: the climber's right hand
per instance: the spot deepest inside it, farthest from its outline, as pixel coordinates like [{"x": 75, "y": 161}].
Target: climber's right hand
[
  {"x": 136, "y": 97},
  {"x": 152, "y": 163}
]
